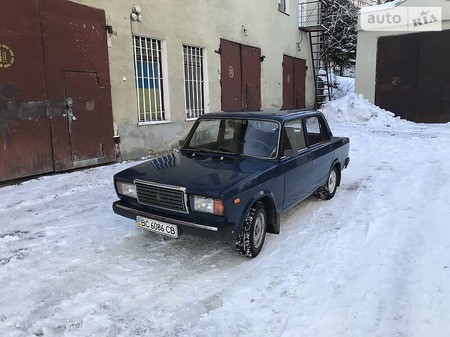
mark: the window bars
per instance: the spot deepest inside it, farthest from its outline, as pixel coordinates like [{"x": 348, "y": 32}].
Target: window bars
[
  {"x": 193, "y": 81},
  {"x": 148, "y": 79}
]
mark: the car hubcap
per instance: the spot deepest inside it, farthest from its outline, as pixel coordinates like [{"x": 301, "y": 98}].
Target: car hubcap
[
  {"x": 332, "y": 181},
  {"x": 258, "y": 232}
]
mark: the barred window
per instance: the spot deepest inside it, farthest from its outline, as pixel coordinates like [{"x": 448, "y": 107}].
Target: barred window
[
  {"x": 302, "y": 15},
  {"x": 193, "y": 81},
  {"x": 148, "y": 79}
]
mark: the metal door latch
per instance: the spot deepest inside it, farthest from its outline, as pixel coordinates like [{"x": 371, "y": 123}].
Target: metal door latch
[{"x": 69, "y": 110}]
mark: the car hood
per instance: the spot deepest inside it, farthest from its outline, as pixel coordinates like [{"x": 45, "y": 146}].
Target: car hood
[{"x": 199, "y": 173}]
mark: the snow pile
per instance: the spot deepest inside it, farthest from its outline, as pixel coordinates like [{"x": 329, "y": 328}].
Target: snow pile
[
  {"x": 355, "y": 109},
  {"x": 342, "y": 86}
]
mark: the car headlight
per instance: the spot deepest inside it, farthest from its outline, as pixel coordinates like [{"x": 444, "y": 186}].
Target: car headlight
[
  {"x": 207, "y": 205},
  {"x": 126, "y": 189}
]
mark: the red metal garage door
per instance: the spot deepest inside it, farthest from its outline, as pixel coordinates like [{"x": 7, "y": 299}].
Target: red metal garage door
[
  {"x": 60, "y": 56},
  {"x": 396, "y": 78},
  {"x": 433, "y": 77},
  {"x": 294, "y": 75},
  {"x": 413, "y": 76},
  {"x": 231, "y": 77},
  {"x": 251, "y": 78},
  {"x": 240, "y": 77},
  {"x": 25, "y": 134},
  {"x": 84, "y": 119}
]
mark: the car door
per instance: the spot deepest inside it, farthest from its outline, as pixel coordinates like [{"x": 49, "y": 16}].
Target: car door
[
  {"x": 296, "y": 162},
  {"x": 320, "y": 148}
]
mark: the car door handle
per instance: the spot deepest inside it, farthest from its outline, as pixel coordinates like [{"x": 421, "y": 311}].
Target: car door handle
[{"x": 311, "y": 156}]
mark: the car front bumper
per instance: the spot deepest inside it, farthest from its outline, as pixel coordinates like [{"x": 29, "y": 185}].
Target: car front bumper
[{"x": 221, "y": 231}]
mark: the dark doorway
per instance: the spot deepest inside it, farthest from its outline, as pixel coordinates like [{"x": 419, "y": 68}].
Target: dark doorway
[
  {"x": 240, "y": 77},
  {"x": 294, "y": 75},
  {"x": 56, "y": 54}
]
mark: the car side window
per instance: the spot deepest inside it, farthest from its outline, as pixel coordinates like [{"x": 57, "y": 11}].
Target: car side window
[
  {"x": 316, "y": 130},
  {"x": 293, "y": 136}
]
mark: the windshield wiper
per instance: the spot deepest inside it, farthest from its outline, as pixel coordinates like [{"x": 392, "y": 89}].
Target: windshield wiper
[
  {"x": 227, "y": 151},
  {"x": 215, "y": 151},
  {"x": 195, "y": 149},
  {"x": 199, "y": 150}
]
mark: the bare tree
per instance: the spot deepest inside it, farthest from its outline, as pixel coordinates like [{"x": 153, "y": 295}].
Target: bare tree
[{"x": 340, "y": 35}]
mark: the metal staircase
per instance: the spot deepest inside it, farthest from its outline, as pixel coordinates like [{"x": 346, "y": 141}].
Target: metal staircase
[{"x": 310, "y": 21}]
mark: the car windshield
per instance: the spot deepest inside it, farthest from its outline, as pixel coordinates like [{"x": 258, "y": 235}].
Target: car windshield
[{"x": 245, "y": 137}]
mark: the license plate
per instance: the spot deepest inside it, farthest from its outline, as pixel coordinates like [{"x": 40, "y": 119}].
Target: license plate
[{"x": 157, "y": 226}]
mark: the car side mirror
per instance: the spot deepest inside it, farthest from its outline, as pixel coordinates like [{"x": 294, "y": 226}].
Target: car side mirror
[
  {"x": 181, "y": 142},
  {"x": 290, "y": 153}
]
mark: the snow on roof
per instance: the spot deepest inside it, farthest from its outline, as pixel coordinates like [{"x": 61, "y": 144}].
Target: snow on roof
[{"x": 387, "y": 5}]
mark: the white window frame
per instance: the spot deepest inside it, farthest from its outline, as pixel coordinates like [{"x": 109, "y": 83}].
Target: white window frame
[
  {"x": 195, "y": 80},
  {"x": 283, "y": 6},
  {"x": 151, "y": 103}
]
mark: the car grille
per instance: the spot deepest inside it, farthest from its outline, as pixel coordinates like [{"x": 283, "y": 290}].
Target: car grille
[{"x": 161, "y": 196}]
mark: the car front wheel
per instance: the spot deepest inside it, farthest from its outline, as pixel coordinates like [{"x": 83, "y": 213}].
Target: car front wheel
[{"x": 251, "y": 239}]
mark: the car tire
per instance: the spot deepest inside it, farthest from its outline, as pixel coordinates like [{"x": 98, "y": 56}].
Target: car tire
[
  {"x": 327, "y": 191},
  {"x": 251, "y": 238}
]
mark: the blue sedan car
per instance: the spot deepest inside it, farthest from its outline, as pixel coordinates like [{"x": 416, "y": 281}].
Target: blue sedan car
[{"x": 233, "y": 176}]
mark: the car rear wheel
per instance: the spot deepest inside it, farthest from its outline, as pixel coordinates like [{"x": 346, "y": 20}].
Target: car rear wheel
[
  {"x": 251, "y": 239},
  {"x": 327, "y": 191}
]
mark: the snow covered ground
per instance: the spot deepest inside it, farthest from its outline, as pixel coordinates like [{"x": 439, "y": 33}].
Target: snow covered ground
[{"x": 374, "y": 261}]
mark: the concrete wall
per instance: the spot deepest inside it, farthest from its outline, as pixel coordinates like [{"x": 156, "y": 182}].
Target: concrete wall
[
  {"x": 199, "y": 23},
  {"x": 366, "y": 57}
]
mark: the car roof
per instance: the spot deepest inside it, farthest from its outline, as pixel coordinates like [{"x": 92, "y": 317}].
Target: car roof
[{"x": 274, "y": 115}]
